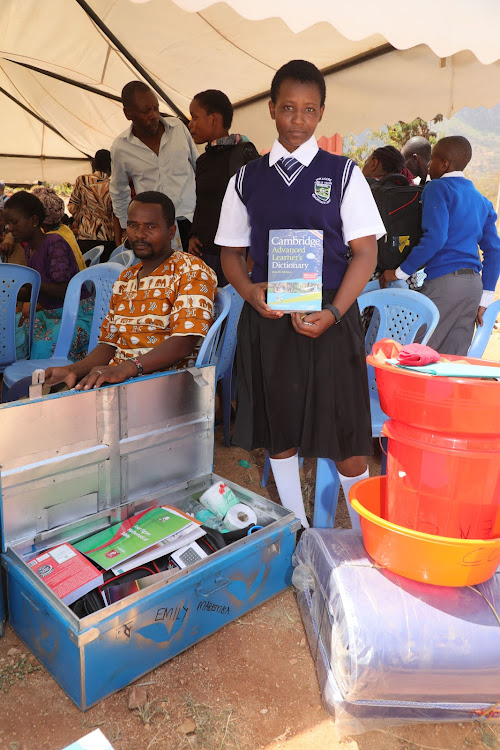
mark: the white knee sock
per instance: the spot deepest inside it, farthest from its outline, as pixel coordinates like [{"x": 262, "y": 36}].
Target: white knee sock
[
  {"x": 287, "y": 478},
  {"x": 347, "y": 483}
]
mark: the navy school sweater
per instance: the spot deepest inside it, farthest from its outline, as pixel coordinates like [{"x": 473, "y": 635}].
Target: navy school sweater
[{"x": 311, "y": 201}]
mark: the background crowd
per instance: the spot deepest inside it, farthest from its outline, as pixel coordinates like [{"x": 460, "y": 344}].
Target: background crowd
[{"x": 157, "y": 153}]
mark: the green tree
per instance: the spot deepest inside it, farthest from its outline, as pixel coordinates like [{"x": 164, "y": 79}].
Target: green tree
[
  {"x": 401, "y": 132},
  {"x": 392, "y": 135},
  {"x": 360, "y": 154}
]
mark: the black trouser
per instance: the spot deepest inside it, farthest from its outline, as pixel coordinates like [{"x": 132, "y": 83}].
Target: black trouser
[{"x": 184, "y": 230}]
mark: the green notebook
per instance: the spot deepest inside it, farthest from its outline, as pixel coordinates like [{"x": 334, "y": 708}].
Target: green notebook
[{"x": 117, "y": 543}]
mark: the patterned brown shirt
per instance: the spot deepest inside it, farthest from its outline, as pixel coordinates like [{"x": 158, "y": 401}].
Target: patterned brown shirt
[
  {"x": 90, "y": 204},
  {"x": 175, "y": 300}
]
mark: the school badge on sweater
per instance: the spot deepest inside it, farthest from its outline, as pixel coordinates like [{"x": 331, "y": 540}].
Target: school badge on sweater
[{"x": 322, "y": 189}]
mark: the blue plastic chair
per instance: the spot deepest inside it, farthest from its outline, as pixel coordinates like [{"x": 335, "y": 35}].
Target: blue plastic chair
[
  {"x": 92, "y": 256},
  {"x": 211, "y": 349},
  {"x": 122, "y": 256},
  {"x": 227, "y": 359},
  {"x": 401, "y": 315},
  {"x": 12, "y": 278},
  {"x": 225, "y": 356},
  {"x": 374, "y": 285},
  {"x": 483, "y": 333},
  {"x": 102, "y": 276}
]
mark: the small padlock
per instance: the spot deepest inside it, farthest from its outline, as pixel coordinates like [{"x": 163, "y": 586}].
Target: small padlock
[{"x": 37, "y": 381}]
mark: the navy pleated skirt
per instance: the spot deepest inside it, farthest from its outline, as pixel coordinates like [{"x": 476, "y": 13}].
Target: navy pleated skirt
[{"x": 294, "y": 391}]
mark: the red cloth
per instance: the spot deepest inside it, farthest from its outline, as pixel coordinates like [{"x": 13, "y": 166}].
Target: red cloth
[{"x": 417, "y": 354}]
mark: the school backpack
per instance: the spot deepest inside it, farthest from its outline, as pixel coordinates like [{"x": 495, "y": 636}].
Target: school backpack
[{"x": 400, "y": 207}]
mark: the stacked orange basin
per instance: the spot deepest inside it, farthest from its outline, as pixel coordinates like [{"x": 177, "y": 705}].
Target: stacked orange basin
[{"x": 436, "y": 517}]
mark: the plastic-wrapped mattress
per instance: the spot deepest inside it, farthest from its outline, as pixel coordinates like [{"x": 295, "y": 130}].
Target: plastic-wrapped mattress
[{"x": 389, "y": 650}]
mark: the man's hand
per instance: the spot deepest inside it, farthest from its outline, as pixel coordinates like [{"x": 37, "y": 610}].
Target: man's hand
[
  {"x": 106, "y": 374},
  {"x": 479, "y": 316},
  {"x": 255, "y": 294},
  {"x": 55, "y": 375},
  {"x": 386, "y": 277},
  {"x": 313, "y": 324},
  {"x": 195, "y": 246}
]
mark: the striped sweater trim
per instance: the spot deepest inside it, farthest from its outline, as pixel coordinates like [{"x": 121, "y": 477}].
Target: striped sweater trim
[
  {"x": 239, "y": 182},
  {"x": 346, "y": 176}
]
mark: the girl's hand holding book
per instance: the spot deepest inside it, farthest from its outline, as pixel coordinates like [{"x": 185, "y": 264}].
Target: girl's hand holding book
[
  {"x": 255, "y": 295},
  {"x": 312, "y": 324}
]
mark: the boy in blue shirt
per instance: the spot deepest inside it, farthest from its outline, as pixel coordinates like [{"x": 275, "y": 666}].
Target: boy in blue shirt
[{"x": 456, "y": 218}]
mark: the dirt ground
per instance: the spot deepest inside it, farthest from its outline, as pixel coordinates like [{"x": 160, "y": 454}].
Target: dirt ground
[{"x": 250, "y": 686}]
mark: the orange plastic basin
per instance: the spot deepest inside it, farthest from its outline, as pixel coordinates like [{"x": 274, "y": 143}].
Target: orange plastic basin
[
  {"x": 442, "y": 561},
  {"x": 452, "y": 405}
]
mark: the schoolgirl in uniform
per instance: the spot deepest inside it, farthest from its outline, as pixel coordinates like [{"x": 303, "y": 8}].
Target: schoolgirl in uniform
[{"x": 302, "y": 377}]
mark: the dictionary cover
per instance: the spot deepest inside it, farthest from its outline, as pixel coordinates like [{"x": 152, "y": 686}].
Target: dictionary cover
[{"x": 295, "y": 269}]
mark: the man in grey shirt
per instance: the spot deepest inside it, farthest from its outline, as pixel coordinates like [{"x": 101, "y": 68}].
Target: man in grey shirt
[{"x": 154, "y": 153}]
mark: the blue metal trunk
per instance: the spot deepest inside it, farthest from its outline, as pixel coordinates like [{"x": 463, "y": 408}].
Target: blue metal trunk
[{"x": 99, "y": 457}]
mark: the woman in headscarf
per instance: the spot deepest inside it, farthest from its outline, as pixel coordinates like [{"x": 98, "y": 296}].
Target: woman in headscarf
[
  {"x": 54, "y": 212},
  {"x": 52, "y": 257}
]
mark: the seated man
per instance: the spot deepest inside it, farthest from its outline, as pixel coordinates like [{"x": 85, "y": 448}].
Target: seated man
[{"x": 159, "y": 310}]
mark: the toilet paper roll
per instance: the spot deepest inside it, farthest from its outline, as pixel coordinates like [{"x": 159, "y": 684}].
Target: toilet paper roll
[
  {"x": 239, "y": 517},
  {"x": 219, "y": 498}
]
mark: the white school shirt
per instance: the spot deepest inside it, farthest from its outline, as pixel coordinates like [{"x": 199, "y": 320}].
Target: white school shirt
[
  {"x": 171, "y": 172},
  {"x": 358, "y": 211}
]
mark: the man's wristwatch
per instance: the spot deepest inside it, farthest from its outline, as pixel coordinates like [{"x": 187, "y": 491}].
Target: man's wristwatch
[
  {"x": 334, "y": 311},
  {"x": 140, "y": 368}
]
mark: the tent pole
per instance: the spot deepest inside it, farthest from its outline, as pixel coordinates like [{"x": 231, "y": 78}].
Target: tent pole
[
  {"x": 46, "y": 158},
  {"x": 384, "y": 49},
  {"x": 40, "y": 119},
  {"x": 135, "y": 63},
  {"x": 65, "y": 79},
  {"x": 71, "y": 82}
]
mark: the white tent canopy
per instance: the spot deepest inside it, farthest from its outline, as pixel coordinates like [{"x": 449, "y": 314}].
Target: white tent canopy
[{"x": 63, "y": 64}]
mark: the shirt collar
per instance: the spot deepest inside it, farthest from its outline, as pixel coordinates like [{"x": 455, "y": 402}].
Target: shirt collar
[
  {"x": 304, "y": 153},
  {"x": 129, "y": 135},
  {"x": 453, "y": 174}
]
